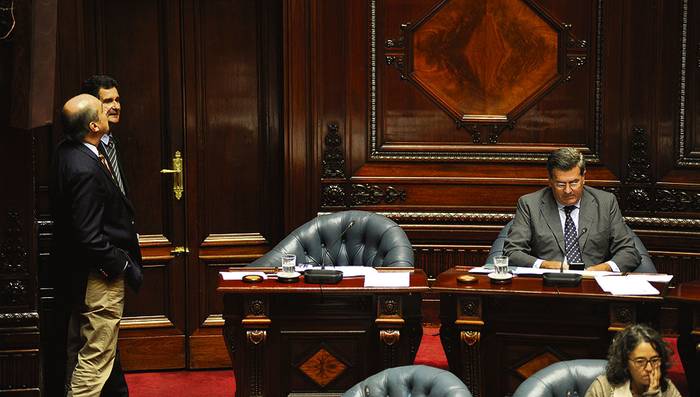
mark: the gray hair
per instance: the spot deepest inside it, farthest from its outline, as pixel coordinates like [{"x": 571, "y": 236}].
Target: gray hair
[{"x": 565, "y": 159}]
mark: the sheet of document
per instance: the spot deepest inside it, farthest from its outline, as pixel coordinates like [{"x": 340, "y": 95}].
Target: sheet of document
[
  {"x": 482, "y": 270},
  {"x": 348, "y": 271},
  {"x": 238, "y": 275},
  {"x": 625, "y": 285},
  {"x": 656, "y": 278},
  {"x": 388, "y": 279}
]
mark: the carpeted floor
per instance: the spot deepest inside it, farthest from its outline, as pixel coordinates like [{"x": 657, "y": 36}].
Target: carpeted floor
[{"x": 221, "y": 382}]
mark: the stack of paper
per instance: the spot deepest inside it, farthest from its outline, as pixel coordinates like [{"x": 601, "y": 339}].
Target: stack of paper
[{"x": 626, "y": 285}]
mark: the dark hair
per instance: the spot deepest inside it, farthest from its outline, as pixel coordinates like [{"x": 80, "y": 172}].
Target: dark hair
[
  {"x": 617, "y": 369},
  {"x": 93, "y": 84},
  {"x": 76, "y": 125},
  {"x": 565, "y": 159}
]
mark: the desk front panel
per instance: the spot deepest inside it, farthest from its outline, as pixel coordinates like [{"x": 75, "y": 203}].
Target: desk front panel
[
  {"x": 495, "y": 336},
  {"x": 317, "y": 343}
]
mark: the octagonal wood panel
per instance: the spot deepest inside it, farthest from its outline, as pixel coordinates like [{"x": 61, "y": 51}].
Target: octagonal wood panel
[{"x": 484, "y": 60}]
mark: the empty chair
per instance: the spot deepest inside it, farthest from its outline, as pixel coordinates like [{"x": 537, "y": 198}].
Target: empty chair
[
  {"x": 411, "y": 380},
  {"x": 345, "y": 238},
  {"x": 645, "y": 266},
  {"x": 562, "y": 379}
]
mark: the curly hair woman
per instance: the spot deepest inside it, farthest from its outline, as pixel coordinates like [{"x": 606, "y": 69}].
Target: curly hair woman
[{"x": 637, "y": 363}]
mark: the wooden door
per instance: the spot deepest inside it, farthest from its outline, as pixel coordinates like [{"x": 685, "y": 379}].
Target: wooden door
[{"x": 199, "y": 80}]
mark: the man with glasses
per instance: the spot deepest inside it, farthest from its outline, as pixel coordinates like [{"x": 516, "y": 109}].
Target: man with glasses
[{"x": 570, "y": 220}]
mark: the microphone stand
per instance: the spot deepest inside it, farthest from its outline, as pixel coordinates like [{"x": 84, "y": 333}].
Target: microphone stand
[{"x": 323, "y": 275}]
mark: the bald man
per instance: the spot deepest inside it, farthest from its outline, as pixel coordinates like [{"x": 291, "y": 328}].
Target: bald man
[{"x": 94, "y": 245}]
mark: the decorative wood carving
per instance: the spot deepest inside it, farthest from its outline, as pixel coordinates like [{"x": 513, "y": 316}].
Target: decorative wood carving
[
  {"x": 471, "y": 368},
  {"x": 374, "y": 194},
  {"x": 256, "y": 336},
  {"x": 333, "y": 196},
  {"x": 621, "y": 315},
  {"x": 503, "y": 218},
  {"x": 333, "y": 164},
  {"x": 256, "y": 355},
  {"x": 15, "y": 319},
  {"x": 323, "y": 367},
  {"x": 389, "y": 337},
  {"x": 639, "y": 199},
  {"x": 470, "y": 307},
  {"x": 13, "y": 292},
  {"x": 13, "y": 253},
  {"x": 685, "y": 159},
  {"x": 677, "y": 200},
  {"x": 256, "y": 307},
  {"x": 639, "y": 163},
  {"x": 576, "y": 53},
  {"x": 389, "y": 306}
]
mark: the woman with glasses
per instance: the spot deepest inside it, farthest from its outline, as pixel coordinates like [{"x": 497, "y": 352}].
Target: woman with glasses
[{"x": 637, "y": 362}]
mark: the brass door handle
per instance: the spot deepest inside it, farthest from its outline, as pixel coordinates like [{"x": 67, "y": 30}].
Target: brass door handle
[{"x": 177, "y": 171}]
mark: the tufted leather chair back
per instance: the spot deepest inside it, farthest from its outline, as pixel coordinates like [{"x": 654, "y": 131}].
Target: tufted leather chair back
[
  {"x": 645, "y": 266},
  {"x": 561, "y": 378},
  {"x": 411, "y": 380},
  {"x": 372, "y": 240}
]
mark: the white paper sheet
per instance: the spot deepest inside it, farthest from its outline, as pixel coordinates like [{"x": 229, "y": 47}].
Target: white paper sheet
[
  {"x": 625, "y": 285},
  {"x": 482, "y": 270},
  {"x": 348, "y": 271},
  {"x": 388, "y": 279},
  {"x": 657, "y": 278},
  {"x": 238, "y": 275}
]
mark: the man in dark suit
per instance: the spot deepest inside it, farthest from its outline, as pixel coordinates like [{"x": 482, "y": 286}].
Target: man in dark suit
[
  {"x": 570, "y": 219},
  {"x": 106, "y": 89},
  {"x": 95, "y": 245}
]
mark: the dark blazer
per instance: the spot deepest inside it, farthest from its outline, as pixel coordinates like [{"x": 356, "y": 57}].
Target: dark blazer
[
  {"x": 93, "y": 221},
  {"x": 537, "y": 232}
]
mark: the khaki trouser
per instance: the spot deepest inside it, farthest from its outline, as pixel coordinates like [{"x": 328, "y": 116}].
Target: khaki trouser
[{"x": 92, "y": 336}]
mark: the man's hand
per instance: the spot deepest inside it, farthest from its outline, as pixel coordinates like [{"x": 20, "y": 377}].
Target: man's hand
[
  {"x": 550, "y": 265},
  {"x": 600, "y": 267}
]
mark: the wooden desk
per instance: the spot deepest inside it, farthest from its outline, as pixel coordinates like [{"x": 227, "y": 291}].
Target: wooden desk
[
  {"x": 309, "y": 338},
  {"x": 496, "y": 335},
  {"x": 687, "y": 298}
]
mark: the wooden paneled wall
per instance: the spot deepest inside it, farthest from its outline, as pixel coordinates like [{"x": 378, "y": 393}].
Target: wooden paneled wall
[
  {"x": 437, "y": 113},
  {"x": 440, "y": 114}
]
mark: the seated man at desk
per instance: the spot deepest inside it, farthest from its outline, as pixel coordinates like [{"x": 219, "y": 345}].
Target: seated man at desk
[{"x": 570, "y": 219}]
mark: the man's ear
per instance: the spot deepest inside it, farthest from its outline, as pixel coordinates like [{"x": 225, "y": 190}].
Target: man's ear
[{"x": 94, "y": 127}]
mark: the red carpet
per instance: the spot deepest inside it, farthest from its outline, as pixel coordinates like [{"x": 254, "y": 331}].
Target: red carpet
[{"x": 221, "y": 382}]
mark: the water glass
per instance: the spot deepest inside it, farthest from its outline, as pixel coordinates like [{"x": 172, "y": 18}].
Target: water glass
[
  {"x": 500, "y": 263},
  {"x": 289, "y": 261}
]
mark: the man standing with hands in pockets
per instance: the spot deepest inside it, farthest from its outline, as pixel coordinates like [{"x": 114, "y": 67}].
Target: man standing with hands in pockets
[{"x": 95, "y": 245}]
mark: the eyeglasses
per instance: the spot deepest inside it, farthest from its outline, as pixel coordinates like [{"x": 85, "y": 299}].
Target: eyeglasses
[
  {"x": 641, "y": 363},
  {"x": 562, "y": 185}
]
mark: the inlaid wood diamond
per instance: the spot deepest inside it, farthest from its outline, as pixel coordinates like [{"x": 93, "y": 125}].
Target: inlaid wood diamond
[
  {"x": 322, "y": 367},
  {"x": 484, "y": 60}
]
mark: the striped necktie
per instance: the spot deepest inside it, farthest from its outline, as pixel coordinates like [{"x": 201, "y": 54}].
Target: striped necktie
[{"x": 112, "y": 156}]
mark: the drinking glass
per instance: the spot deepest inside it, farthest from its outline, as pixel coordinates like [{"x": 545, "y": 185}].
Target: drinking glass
[
  {"x": 500, "y": 263},
  {"x": 289, "y": 261}
]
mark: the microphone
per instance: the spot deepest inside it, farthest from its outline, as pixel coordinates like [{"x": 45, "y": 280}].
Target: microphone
[
  {"x": 330, "y": 247},
  {"x": 565, "y": 279},
  {"x": 323, "y": 275}
]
